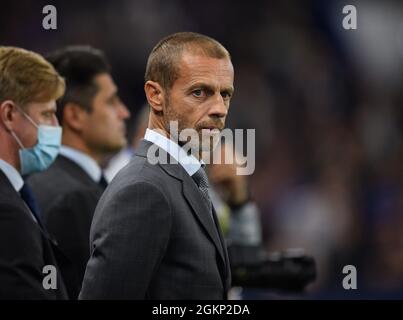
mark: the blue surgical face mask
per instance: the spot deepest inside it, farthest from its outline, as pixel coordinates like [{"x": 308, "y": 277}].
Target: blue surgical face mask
[{"x": 41, "y": 155}]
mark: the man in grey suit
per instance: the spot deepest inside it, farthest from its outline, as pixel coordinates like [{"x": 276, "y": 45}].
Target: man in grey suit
[{"x": 155, "y": 233}]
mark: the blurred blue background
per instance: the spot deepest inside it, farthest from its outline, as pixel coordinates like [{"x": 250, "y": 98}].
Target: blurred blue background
[{"x": 326, "y": 104}]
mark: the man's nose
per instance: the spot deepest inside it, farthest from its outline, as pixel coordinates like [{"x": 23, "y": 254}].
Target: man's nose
[
  {"x": 123, "y": 112},
  {"x": 218, "y": 109},
  {"x": 55, "y": 122}
]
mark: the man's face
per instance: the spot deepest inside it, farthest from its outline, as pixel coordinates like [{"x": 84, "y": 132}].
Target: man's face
[
  {"x": 199, "y": 99},
  {"x": 104, "y": 129},
  {"x": 42, "y": 113}
]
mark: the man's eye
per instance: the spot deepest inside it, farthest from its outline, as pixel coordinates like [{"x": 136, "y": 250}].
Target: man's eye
[
  {"x": 226, "y": 95},
  {"x": 114, "y": 101},
  {"x": 198, "y": 93}
]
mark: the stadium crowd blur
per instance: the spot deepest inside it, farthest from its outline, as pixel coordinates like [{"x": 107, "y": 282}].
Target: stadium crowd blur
[{"x": 326, "y": 104}]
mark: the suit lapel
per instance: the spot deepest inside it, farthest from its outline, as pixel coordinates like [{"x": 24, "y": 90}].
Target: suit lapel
[
  {"x": 192, "y": 194},
  {"x": 73, "y": 169},
  {"x": 14, "y": 196}
]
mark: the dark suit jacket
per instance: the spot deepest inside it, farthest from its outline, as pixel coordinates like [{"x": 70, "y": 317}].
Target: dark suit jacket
[
  {"x": 24, "y": 250},
  {"x": 67, "y": 197},
  {"x": 152, "y": 237}
]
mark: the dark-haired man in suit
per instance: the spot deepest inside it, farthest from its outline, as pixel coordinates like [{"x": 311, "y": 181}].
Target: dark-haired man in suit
[{"x": 92, "y": 117}]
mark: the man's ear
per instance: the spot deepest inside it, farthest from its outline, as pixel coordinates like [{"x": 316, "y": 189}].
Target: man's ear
[
  {"x": 74, "y": 116},
  {"x": 7, "y": 114},
  {"x": 155, "y": 95}
]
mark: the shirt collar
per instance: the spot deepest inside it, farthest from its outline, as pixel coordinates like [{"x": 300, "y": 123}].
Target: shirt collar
[
  {"x": 188, "y": 162},
  {"x": 12, "y": 175},
  {"x": 88, "y": 164}
]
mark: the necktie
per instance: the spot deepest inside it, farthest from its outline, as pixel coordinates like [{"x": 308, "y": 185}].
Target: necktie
[
  {"x": 200, "y": 177},
  {"x": 28, "y": 197},
  {"x": 102, "y": 182}
]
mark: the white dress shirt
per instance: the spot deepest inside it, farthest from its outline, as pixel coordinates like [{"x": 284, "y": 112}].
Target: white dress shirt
[
  {"x": 118, "y": 162},
  {"x": 12, "y": 175},
  {"x": 89, "y": 165},
  {"x": 188, "y": 162}
]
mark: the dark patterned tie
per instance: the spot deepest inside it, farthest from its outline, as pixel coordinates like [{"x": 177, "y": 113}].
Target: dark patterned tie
[
  {"x": 102, "y": 182},
  {"x": 200, "y": 177},
  {"x": 28, "y": 197}
]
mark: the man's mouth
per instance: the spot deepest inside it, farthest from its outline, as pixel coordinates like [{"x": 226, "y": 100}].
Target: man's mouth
[{"x": 211, "y": 128}]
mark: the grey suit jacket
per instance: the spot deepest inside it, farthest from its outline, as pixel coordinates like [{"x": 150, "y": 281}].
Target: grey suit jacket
[{"x": 152, "y": 237}]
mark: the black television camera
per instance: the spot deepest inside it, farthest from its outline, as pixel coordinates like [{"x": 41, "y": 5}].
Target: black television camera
[{"x": 253, "y": 267}]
